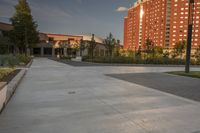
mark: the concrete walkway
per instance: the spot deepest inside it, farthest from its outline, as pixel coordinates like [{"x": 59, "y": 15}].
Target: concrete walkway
[
  {"x": 58, "y": 98},
  {"x": 178, "y": 85}
]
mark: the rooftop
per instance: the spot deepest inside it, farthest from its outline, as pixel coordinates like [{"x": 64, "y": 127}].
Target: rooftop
[{"x": 5, "y": 26}]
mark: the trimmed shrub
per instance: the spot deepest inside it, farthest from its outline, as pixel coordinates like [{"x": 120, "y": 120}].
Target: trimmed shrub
[
  {"x": 23, "y": 59},
  {"x": 12, "y": 61},
  {"x": 138, "y": 60},
  {"x": 65, "y": 57},
  {"x": 8, "y": 60}
]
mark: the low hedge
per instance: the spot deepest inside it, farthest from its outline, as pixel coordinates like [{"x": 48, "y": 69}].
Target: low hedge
[
  {"x": 65, "y": 57},
  {"x": 22, "y": 58},
  {"x": 129, "y": 60},
  {"x": 121, "y": 59},
  {"x": 11, "y": 61},
  {"x": 8, "y": 60}
]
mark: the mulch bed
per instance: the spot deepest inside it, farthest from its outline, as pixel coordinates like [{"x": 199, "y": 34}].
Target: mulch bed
[{"x": 9, "y": 77}]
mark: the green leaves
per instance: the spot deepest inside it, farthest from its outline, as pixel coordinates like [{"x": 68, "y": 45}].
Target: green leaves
[
  {"x": 110, "y": 43},
  {"x": 24, "y": 34},
  {"x": 179, "y": 49},
  {"x": 92, "y": 46},
  {"x": 4, "y": 44}
]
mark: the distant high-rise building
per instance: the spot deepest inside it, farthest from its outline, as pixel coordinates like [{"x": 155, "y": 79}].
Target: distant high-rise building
[{"x": 165, "y": 22}]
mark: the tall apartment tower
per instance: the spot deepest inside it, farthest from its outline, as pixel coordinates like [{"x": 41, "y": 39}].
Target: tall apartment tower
[{"x": 165, "y": 22}]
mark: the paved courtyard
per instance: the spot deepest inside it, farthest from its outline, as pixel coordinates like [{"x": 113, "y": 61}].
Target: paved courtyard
[
  {"x": 178, "y": 85},
  {"x": 59, "y": 98}
]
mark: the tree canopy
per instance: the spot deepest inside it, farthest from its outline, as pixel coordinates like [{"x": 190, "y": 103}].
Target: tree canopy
[
  {"x": 4, "y": 44},
  {"x": 24, "y": 34},
  {"x": 179, "y": 48},
  {"x": 92, "y": 46},
  {"x": 110, "y": 43}
]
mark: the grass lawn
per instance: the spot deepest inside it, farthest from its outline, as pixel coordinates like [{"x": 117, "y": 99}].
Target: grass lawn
[
  {"x": 5, "y": 72},
  {"x": 194, "y": 74}
]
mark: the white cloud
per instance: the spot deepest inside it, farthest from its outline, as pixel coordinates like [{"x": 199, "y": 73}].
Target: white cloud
[{"x": 121, "y": 9}]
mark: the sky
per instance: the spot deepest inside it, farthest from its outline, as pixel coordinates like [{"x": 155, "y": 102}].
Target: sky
[{"x": 75, "y": 17}]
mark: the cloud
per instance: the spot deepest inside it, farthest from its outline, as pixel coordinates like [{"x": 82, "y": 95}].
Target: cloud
[{"x": 121, "y": 9}]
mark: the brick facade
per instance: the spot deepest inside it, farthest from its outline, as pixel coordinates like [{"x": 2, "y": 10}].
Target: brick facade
[{"x": 165, "y": 22}]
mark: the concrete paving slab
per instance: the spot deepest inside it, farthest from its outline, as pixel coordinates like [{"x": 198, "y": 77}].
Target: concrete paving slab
[
  {"x": 178, "y": 85},
  {"x": 44, "y": 103}
]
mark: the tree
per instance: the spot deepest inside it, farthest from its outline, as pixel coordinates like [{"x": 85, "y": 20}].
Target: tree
[
  {"x": 158, "y": 51},
  {"x": 122, "y": 52},
  {"x": 4, "y": 45},
  {"x": 166, "y": 54},
  {"x": 24, "y": 34},
  {"x": 92, "y": 46},
  {"x": 197, "y": 55},
  {"x": 110, "y": 44},
  {"x": 149, "y": 46},
  {"x": 117, "y": 48},
  {"x": 139, "y": 52},
  {"x": 83, "y": 46},
  {"x": 179, "y": 49}
]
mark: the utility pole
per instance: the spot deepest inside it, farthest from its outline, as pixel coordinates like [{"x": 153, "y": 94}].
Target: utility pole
[{"x": 189, "y": 37}]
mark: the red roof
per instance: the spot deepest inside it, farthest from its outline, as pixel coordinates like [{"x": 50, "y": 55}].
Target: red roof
[{"x": 5, "y": 26}]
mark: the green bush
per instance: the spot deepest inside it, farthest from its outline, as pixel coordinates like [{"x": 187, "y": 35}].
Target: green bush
[
  {"x": 65, "y": 57},
  {"x": 12, "y": 61},
  {"x": 117, "y": 59},
  {"x": 23, "y": 59},
  {"x": 137, "y": 60},
  {"x": 8, "y": 60}
]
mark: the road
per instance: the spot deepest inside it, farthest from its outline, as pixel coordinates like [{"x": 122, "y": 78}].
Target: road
[{"x": 59, "y": 98}]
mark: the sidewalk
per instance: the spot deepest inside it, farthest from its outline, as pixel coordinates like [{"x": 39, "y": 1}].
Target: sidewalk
[
  {"x": 178, "y": 85},
  {"x": 59, "y": 98}
]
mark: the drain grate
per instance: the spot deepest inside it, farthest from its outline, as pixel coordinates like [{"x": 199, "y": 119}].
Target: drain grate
[{"x": 71, "y": 92}]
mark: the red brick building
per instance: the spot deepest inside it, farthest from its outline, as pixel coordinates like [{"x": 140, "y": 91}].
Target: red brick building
[
  {"x": 179, "y": 22},
  {"x": 165, "y": 22}
]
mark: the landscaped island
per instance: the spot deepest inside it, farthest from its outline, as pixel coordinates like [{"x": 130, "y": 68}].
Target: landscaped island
[
  {"x": 7, "y": 74},
  {"x": 193, "y": 74}
]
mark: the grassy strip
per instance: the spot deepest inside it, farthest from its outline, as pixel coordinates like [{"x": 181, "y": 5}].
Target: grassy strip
[
  {"x": 193, "y": 74},
  {"x": 5, "y": 72}
]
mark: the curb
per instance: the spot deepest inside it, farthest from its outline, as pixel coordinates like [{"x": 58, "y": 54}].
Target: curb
[
  {"x": 3, "y": 90},
  {"x": 29, "y": 64},
  {"x": 14, "y": 83}
]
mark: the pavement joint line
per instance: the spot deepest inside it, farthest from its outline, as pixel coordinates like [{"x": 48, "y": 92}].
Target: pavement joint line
[
  {"x": 129, "y": 115},
  {"x": 122, "y": 114}
]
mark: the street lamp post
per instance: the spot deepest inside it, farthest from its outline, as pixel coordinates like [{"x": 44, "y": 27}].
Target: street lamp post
[{"x": 189, "y": 37}]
